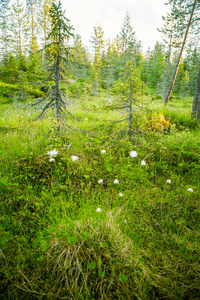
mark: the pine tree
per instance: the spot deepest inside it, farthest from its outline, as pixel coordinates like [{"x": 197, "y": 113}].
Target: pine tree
[
  {"x": 80, "y": 65},
  {"x": 33, "y": 7},
  {"x": 18, "y": 25},
  {"x": 171, "y": 40},
  {"x": 45, "y": 19},
  {"x": 98, "y": 45},
  {"x": 5, "y": 29},
  {"x": 191, "y": 63},
  {"x": 130, "y": 48},
  {"x": 57, "y": 51},
  {"x": 129, "y": 87},
  {"x": 189, "y": 23},
  {"x": 153, "y": 67}
]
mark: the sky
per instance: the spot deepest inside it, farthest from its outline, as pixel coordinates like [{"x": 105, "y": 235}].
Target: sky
[{"x": 146, "y": 17}]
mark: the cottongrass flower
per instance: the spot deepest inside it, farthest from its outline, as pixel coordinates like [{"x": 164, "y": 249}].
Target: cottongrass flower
[
  {"x": 190, "y": 190},
  {"x": 120, "y": 194},
  {"x": 125, "y": 221},
  {"x": 133, "y": 154},
  {"x": 98, "y": 209},
  {"x": 74, "y": 157},
  {"x": 51, "y": 159},
  {"x": 168, "y": 181},
  {"x": 103, "y": 151},
  {"x": 116, "y": 181},
  {"x": 100, "y": 181},
  {"x": 52, "y": 153},
  {"x": 143, "y": 163}
]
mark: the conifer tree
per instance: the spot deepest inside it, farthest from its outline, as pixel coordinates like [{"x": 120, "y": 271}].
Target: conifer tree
[
  {"x": 5, "y": 28},
  {"x": 98, "y": 45},
  {"x": 171, "y": 40},
  {"x": 18, "y": 23},
  {"x": 45, "y": 19},
  {"x": 129, "y": 88},
  {"x": 57, "y": 51},
  {"x": 80, "y": 65},
  {"x": 192, "y": 7},
  {"x": 196, "y": 98},
  {"x": 129, "y": 46}
]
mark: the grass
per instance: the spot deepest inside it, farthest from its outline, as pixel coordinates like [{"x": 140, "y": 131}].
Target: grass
[{"x": 142, "y": 245}]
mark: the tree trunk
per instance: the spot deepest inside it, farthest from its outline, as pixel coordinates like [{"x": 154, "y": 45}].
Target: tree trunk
[
  {"x": 196, "y": 98},
  {"x": 180, "y": 56},
  {"x": 167, "y": 71},
  {"x": 130, "y": 110}
]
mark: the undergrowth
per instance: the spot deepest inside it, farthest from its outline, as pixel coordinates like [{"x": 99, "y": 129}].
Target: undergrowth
[{"x": 64, "y": 235}]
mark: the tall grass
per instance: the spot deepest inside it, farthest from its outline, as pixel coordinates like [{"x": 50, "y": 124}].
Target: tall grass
[{"x": 144, "y": 242}]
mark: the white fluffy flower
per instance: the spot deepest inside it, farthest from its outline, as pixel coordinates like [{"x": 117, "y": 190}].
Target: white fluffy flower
[
  {"x": 52, "y": 153},
  {"x": 100, "y": 181},
  {"x": 125, "y": 221},
  {"x": 133, "y": 154},
  {"x": 120, "y": 194},
  {"x": 116, "y": 181},
  {"x": 168, "y": 181},
  {"x": 51, "y": 159},
  {"x": 143, "y": 163},
  {"x": 103, "y": 151},
  {"x": 74, "y": 157},
  {"x": 190, "y": 190},
  {"x": 98, "y": 209}
]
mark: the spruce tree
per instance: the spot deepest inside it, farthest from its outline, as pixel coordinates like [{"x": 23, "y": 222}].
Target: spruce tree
[
  {"x": 129, "y": 46},
  {"x": 98, "y": 45},
  {"x": 57, "y": 51}
]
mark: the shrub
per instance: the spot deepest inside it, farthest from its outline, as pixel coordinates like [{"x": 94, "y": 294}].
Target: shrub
[{"x": 7, "y": 89}]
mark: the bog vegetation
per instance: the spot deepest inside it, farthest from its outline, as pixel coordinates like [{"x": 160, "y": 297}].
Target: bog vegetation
[{"x": 99, "y": 182}]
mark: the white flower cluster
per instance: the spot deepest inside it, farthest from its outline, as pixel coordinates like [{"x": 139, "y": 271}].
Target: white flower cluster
[
  {"x": 134, "y": 154},
  {"x": 103, "y": 151},
  {"x": 74, "y": 158},
  {"x": 52, "y": 154},
  {"x": 189, "y": 190}
]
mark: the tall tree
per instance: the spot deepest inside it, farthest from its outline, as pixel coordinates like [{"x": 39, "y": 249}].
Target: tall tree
[
  {"x": 196, "y": 98},
  {"x": 57, "y": 50},
  {"x": 98, "y": 46},
  {"x": 5, "y": 28},
  {"x": 18, "y": 19},
  {"x": 129, "y": 46},
  {"x": 153, "y": 67},
  {"x": 192, "y": 10},
  {"x": 80, "y": 65},
  {"x": 171, "y": 40},
  {"x": 33, "y": 7},
  {"x": 191, "y": 63}
]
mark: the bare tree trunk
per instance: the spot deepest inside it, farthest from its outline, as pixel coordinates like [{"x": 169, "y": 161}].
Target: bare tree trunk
[
  {"x": 196, "y": 98},
  {"x": 130, "y": 110},
  {"x": 57, "y": 96},
  {"x": 167, "y": 71},
  {"x": 180, "y": 56}
]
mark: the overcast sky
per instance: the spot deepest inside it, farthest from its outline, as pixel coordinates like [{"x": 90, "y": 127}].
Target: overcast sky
[{"x": 146, "y": 17}]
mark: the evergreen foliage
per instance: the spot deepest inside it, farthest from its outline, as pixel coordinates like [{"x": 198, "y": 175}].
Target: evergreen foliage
[{"x": 57, "y": 52}]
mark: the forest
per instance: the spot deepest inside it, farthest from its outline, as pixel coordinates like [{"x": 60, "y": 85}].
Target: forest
[{"x": 99, "y": 157}]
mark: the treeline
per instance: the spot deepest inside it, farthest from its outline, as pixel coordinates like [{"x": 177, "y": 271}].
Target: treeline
[{"x": 24, "y": 30}]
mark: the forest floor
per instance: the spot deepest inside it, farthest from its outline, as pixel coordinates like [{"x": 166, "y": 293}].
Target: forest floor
[{"x": 104, "y": 216}]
